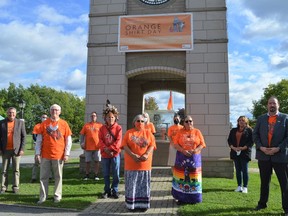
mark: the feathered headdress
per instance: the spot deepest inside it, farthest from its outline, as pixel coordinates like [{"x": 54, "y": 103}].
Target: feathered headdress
[{"x": 110, "y": 108}]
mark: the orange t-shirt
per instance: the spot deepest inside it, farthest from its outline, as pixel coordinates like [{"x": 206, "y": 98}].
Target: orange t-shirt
[
  {"x": 271, "y": 124},
  {"x": 138, "y": 142},
  {"x": 54, "y": 134},
  {"x": 189, "y": 139},
  {"x": 10, "y": 132},
  {"x": 150, "y": 126},
  {"x": 91, "y": 130},
  {"x": 172, "y": 131},
  {"x": 36, "y": 128}
]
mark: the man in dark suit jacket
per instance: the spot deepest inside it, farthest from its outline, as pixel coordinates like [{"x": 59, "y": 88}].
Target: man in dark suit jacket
[
  {"x": 12, "y": 142},
  {"x": 271, "y": 138}
]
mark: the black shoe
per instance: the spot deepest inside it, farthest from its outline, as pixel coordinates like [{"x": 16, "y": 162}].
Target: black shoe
[
  {"x": 33, "y": 180},
  {"x": 178, "y": 202},
  {"x": 105, "y": 195},
  {"x": 86, "y": 177},
  {"x": 115, "y": 195},
  {"x": 258, "y": 207}
]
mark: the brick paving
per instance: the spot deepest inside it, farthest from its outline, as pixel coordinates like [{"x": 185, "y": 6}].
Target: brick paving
[{"x": 162, "y": 202}]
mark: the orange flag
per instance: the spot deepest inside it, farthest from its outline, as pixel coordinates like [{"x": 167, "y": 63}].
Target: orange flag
[{"x": 170, "y": 102}]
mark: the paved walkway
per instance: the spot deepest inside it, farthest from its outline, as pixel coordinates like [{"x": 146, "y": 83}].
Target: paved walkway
[{"x": 162, "y": 202}]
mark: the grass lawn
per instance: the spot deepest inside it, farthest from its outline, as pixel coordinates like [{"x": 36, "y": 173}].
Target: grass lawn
[
  {"x": 219, "y": 198},
  {"x": 77, "y": 194}
]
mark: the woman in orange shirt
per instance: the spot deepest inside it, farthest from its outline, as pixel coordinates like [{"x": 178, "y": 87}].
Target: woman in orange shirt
[
  {"x": 148, "y": 124},
  {"x": 138, "y": 144},
  {"x": 172, "y": 131},
  {"x": 187, "y": 172}
]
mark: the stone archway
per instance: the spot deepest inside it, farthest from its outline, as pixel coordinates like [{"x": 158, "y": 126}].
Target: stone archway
[
  {"x": 151, "y": 78},
  {"x": 201, "y": 74}
]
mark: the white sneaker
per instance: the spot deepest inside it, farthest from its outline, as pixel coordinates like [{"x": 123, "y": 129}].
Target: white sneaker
[
  {"x": 245, "y": 190},
  {"x": 238, "y": 189},
  {"x": 40, "y": 202}
]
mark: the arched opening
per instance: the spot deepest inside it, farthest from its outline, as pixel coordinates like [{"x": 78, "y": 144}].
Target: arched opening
[{"x": 161, "y": 107}]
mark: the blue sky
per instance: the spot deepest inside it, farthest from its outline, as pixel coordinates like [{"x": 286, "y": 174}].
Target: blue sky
[{"x": 44, "y": 42}]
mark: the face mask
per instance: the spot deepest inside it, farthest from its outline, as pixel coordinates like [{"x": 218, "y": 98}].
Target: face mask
[{"x": 176, "y": 121}]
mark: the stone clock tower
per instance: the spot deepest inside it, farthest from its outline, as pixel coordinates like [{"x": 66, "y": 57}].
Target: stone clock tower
[{"x": 201, "y": 73}]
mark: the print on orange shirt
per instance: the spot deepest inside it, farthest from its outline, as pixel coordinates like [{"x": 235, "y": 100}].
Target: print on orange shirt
[
  {"x": 188, "y": 139},
  {"x": 53, "y": 131},
  {"x": 140, "y": 141}
]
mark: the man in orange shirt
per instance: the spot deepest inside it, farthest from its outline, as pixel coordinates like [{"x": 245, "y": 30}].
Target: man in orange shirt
[
  {"x": 270, "y": 136},
  {"x": 52, "y": 149},
  {"x": 12, "y": 142},
  {"x": 89, "y": 141}
]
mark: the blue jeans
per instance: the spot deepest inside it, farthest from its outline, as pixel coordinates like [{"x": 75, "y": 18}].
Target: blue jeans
[
  {"x": 241, "y": 166},
  {"x": 113, "y": 165}
]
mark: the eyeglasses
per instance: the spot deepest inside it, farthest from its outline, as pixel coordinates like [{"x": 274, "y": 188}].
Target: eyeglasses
[
  {"x": 93, "y": 115},
  {"x": 142, "y": 121},
  {"x": 188, "y": 121}
]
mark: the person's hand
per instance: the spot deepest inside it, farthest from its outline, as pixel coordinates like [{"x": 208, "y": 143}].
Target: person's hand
[
  {"x": 21, "y": 153},
  {"x": 66, "y": 157},
  {"x": 37, "y": 159},
  {"x": 197, "y": 151},
  {"x": 267, "y": 151},
  {"x": 187, "y": 153},
  {"x": 273, "y": 150},
  {"x": 144, "y": 157},
  {"x": 136, "y": 157},
  {"x": 82, "y": 145},
  {"x": 107, "y": 151}
]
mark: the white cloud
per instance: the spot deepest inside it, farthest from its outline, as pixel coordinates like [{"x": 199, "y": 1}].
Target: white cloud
[
  {"x": 75, "y": 80},
  {"x": 49, "y": 14},
  {"x": 42, "y": 51}
]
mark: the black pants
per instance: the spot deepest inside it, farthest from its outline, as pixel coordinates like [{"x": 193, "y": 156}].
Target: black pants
[{"x": 281, "y": 170}]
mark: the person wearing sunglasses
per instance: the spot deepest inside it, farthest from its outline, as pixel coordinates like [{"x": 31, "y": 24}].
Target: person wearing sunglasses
[
  {"x": 187, "y": 172},
  {"x": 139, "y": 144}
]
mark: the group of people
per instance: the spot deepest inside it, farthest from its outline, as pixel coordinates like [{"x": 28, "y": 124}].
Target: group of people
[
  {"x": 104, "y": 142},
  {"x": 270, "y": 136}
]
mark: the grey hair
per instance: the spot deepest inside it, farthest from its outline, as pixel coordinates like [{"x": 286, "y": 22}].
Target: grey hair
[
  {"x": 55, "y": 106},
  {"x": 11, "y": 108},
  {"x": 136, "y": 118}
]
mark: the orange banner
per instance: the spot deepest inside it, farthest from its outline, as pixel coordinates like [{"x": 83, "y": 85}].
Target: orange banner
[
  {"x": 170, "y": 102},
  {"x": 155, "y": 32}
]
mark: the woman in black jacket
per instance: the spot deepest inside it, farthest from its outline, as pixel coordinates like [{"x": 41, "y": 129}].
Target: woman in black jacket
[{"x": 240, "y": 141}]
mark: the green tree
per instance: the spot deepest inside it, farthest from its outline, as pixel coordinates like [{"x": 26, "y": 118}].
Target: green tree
[
  {"x": 279, "y": 90},
  {"x": 151, "y": 104},
  {"x": 38, "y": 101}
]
